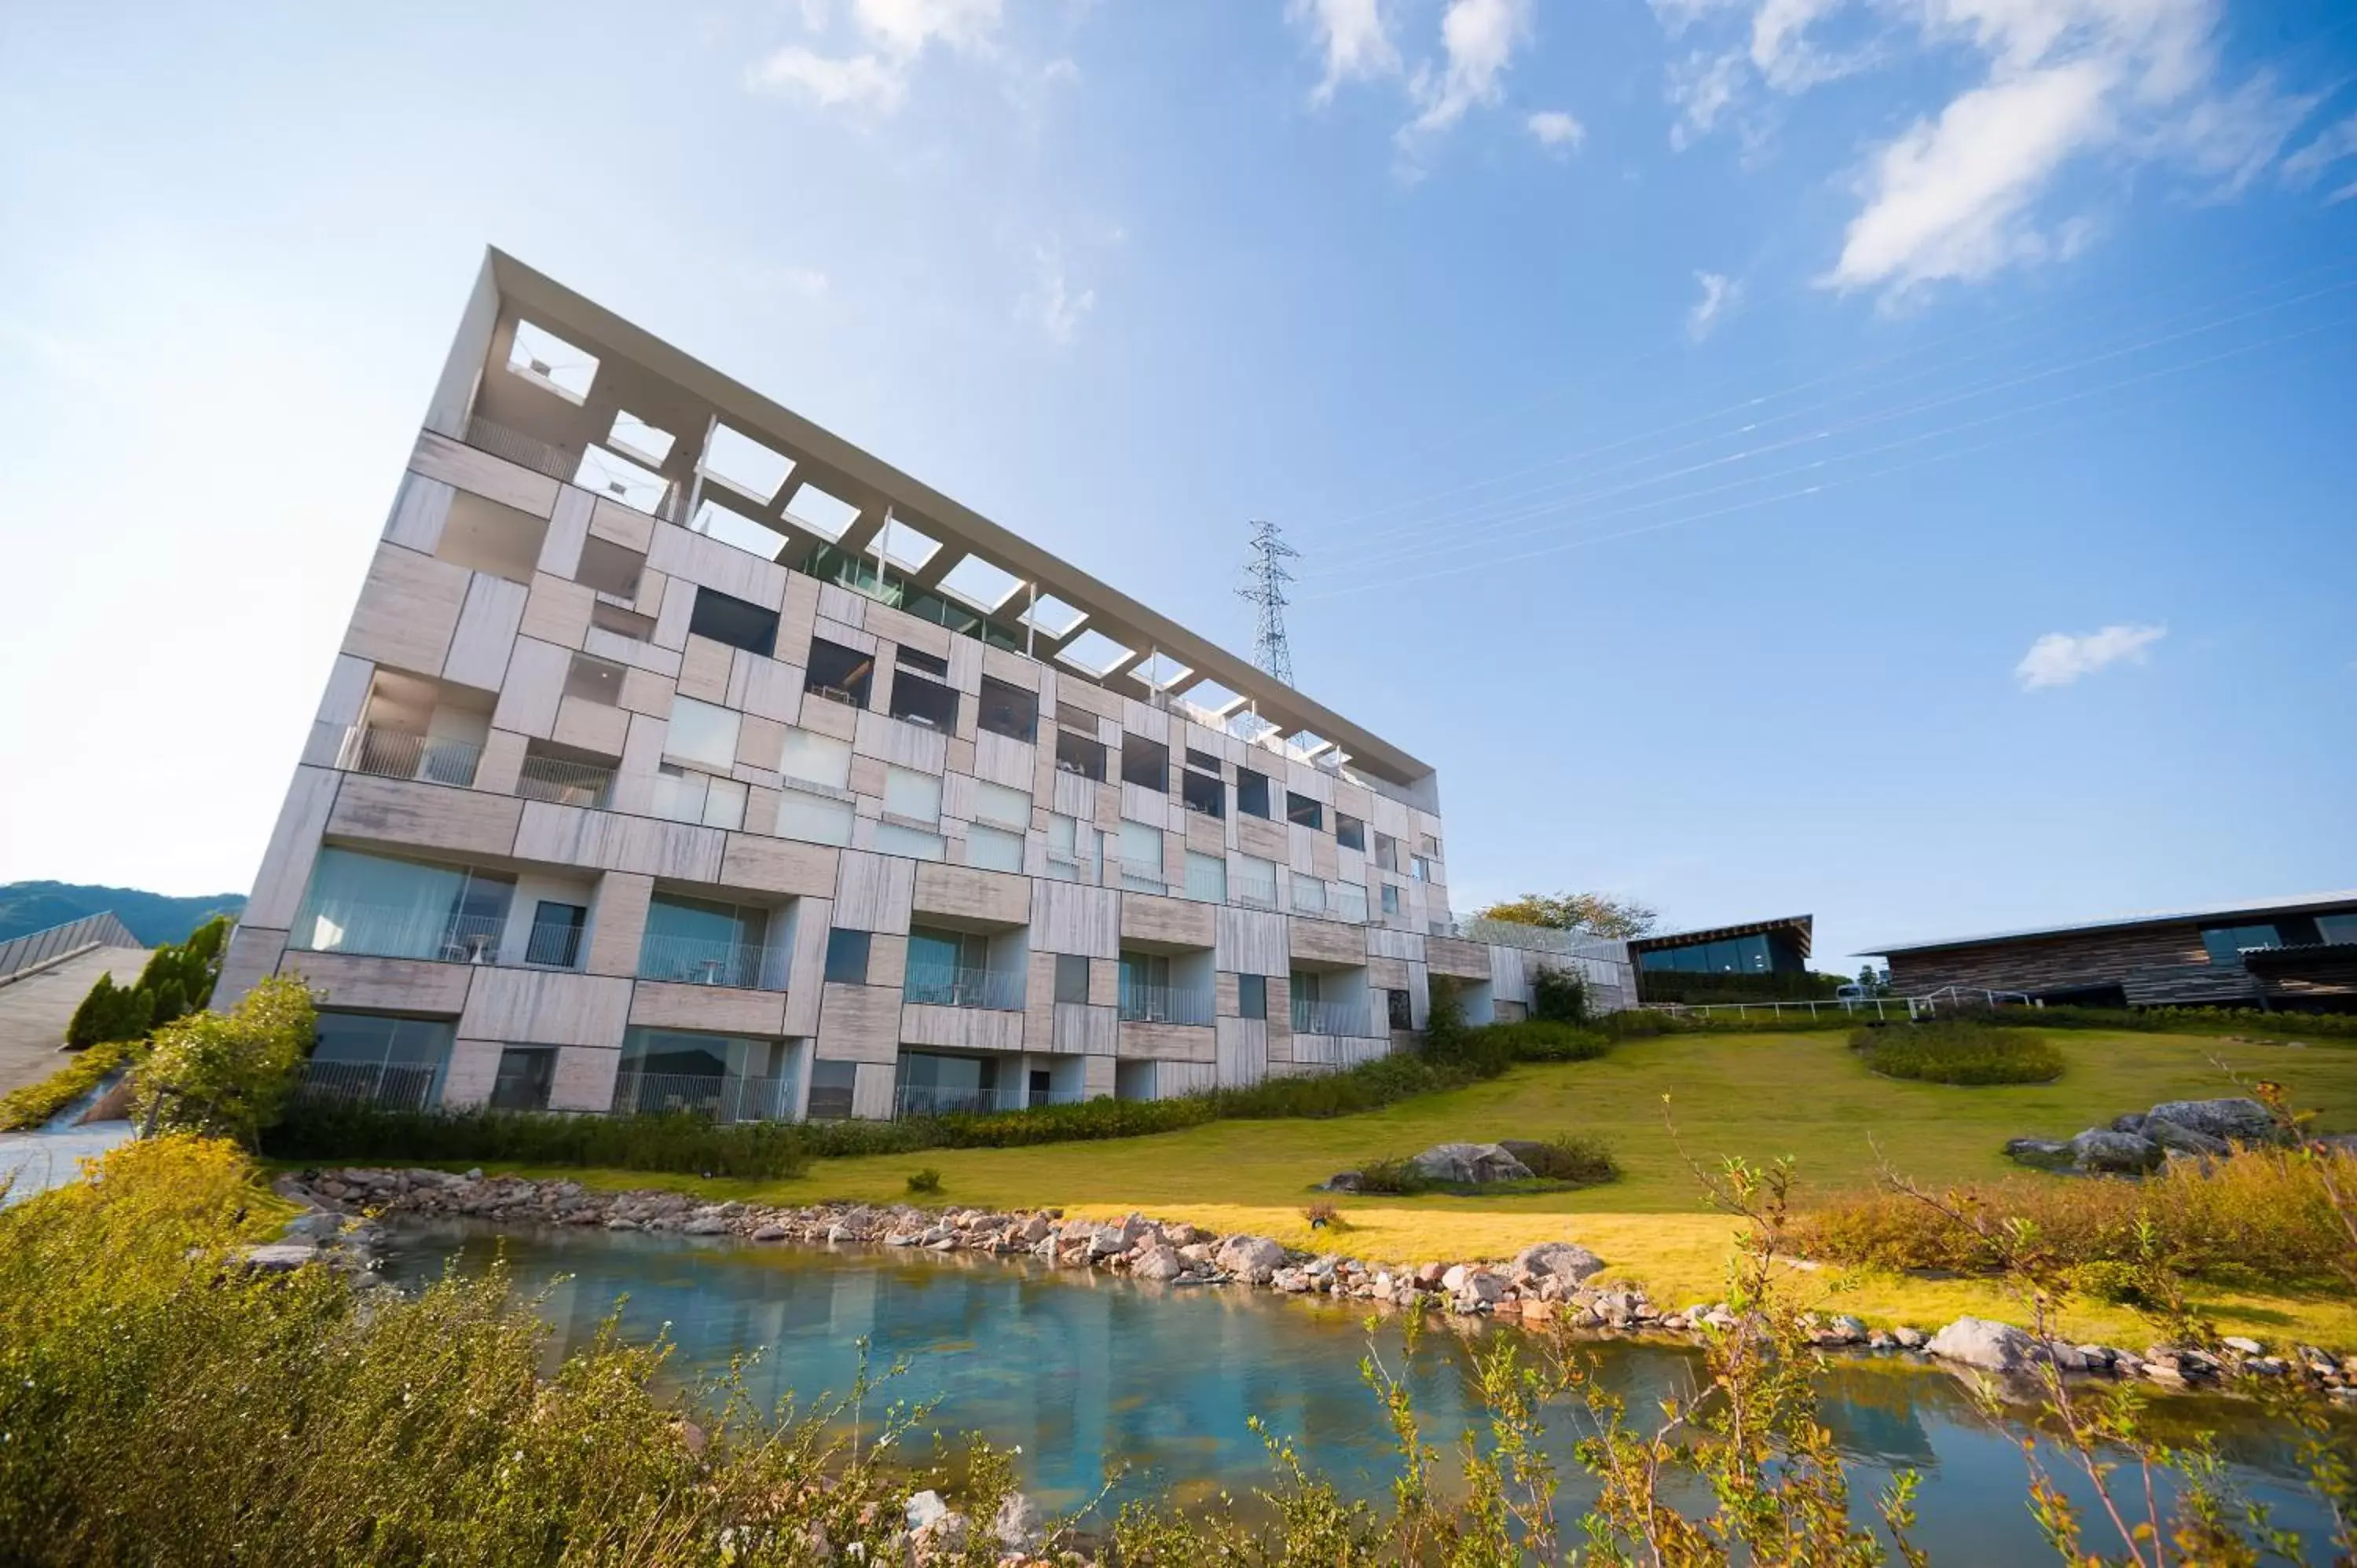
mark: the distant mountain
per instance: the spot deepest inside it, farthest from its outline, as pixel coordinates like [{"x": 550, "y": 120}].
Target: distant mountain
[{"x": 152, "y": 918}]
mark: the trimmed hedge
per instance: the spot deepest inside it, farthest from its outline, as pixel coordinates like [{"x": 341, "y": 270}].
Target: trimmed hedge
[
  {"x": 673, "y": 1140},
  {"x": 1959, "y": 1051}
]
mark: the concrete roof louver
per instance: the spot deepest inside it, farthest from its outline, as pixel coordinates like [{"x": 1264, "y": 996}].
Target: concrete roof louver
[
  {"x": 653, "y": 380},
  {"x": 2309, "y": 904}
]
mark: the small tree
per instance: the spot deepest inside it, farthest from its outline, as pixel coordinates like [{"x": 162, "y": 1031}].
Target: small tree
[
  {"x": 1606, "y": 914},
  {"x": 227, "y": 1074},
  {"x": 110, "y": 1012},
  {"x": 1559, "y": 995}
]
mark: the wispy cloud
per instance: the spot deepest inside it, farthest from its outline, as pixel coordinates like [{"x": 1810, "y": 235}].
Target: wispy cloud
[
  {"x": 876, "y": 81},
  {"x": 2060, "y": 658},
  {"x": 1556, "y": 131},
  {"x": 1053, "y": 305},
  {"x": 2337, "y": 143},
  {"x": 1478, "y": 40},
  {"x": 1721, "y": 296},
  {"x": 863, "y": 82},
  {"x": 1354, "y": 38}
]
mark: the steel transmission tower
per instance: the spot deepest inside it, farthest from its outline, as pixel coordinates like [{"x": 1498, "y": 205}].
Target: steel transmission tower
[{"x": 1264, "y": 581}]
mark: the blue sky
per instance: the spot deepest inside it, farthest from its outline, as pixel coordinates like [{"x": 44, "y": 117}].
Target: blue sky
[{"x": 1890, "y": 459}]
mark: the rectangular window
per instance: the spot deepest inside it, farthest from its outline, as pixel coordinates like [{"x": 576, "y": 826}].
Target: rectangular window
[
  {"x": 917, "y": 845},
  {"x": 368, "y": 1057},
  {"x": 1141, "y": 856},
  {"x": 847, "y": 957},
  {"x": 525, "y": 1076},
  {"x": 1079, "y": 754},
  {"x": 1203, "y": 793},
  {"x": 610, "y": 568},
  {"x": 1252, "y": 995},
  {"x": 1254, "y": 881},
  {"x": 389, "y": 907},
  {"x": 993, "y": 849},
  {"x": 1429, "y": 846},
  {"x": 1419, "y": 869},
  {"x": 1386, "y": 852},
  {"x": 597, "y": 681},
  {"x": 1008, "y": 710},
  {"x": 1397, "y": 1010},
  {"x": 1252, "y": 793},
  {"x": 701, "y": 731},
  {"x": 1304, "y": 812},
  {"x": 1146, "y": 763},
  {"x": 1349, "y": 832},
  {"x": 556, "y": 938},
  {"x": 1207, "y": 877},
  {"x": 999, "y": 804},
  {"x": 2226, "y": 944},
  {"x": 1390, "y": 898},
  {"x": 1072, "y": 977},
  {"x": 1309, "y": 894},
  {"x": 922, "y": 701},
  {"x": 1202, "y": 760},
  {"x": 816, "y": 759},
  {"x": 917, "y": 659},
  {"x": 839, "y": 673},
  {"x": 682, "y": 796},
  {"x": 831, "y": 1088},
  {"x": 912, "y": 794},
  {"x": 813, "y": 819},
  {"x": 700, "y": 941},
  {"x": 733, "y": 622}
]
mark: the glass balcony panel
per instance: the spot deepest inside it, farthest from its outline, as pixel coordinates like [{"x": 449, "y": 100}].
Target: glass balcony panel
[
  {"x": 711, "y": 960},
  {"x": 940, "y": 985}
]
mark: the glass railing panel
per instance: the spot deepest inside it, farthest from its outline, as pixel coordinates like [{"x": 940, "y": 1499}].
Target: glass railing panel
[
  {"x": 379, "y": 930},
  {"x": 707, "y": 961}
]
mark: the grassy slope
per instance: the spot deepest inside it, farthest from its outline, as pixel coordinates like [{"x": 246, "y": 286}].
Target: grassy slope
[{"x": 1757, "y": 1096}]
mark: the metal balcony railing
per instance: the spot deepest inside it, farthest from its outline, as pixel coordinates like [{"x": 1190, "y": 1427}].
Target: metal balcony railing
[
  {"x": 392, "y": 754},
  {"x": 1329, "y": 1017},
  {"x": 384, "y": 930},
  {"x": 1143, "y": 1004},
  {"x": 962, "y": 987},
  {"x": 933, "y": 1100},
  {"x": 724, "y": 1097},
  {"x": 396, "y": 1086},
  {"x": 707, "y": 960},
  {"x": 565, "y": 783},
  {"x": 556, "y": 944}
]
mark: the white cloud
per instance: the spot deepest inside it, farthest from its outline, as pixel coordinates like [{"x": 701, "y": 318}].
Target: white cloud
[
  {"x": 1721, "y": 296},
  {"x": 1556, "y": 129},
  {"x": 1959, "y": 194},
  {"x": 1477, "y": 38},
  {"x": 1354, "y": 38},
  {"x": 856, "y": 81},
  {"x": 1052, "y": 304},
  {"x": 2060, "y": 658},
  {"x": 2337, "y": 143},
  {"x": 876, "y": 82}
]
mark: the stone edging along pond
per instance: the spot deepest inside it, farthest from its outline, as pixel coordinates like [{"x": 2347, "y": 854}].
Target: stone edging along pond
[{"x": 1540, "y": 1283}]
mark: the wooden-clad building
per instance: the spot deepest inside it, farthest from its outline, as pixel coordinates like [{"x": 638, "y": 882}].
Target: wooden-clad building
[{"x": 2287, "y": 952}]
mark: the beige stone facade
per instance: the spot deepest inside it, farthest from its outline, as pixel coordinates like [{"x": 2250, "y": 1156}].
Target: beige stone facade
[{"x": 678, "y": 753}]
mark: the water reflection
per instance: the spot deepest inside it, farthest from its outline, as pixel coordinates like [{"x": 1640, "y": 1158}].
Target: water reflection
[{"x": 1087, "y": 1372}]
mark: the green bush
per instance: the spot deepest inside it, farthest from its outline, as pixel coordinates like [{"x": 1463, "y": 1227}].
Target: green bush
[
  {"x": 1543, "y": 1040},
  {"x": 227, "y": 1074},
  {"x": 109, "y": 1012},
  {"x": 926, "y": 1182},
  {"x": 677, "y": 1141},
  {"x": 1393, "y": 1177},
  {"x": 1674, "y": 985},
  {"x": 2186, "y": 1021},
  {"x": 177, "y": 979},
  {"x": 1959, "y": 1051},
  {"x": 35, "y": 1103},
  {"x": 1574, "y": 1157},
  {"x": 1559, "y": 995}
]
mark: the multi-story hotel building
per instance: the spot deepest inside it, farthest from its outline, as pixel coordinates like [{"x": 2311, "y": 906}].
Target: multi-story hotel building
[{"x": 679, "y": 753}]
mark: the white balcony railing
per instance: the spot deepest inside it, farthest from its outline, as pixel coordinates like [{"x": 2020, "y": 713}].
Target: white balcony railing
[
  {"x": 393, "y": 754},
  {"x": 1143, "y": 1004},
  {"x": 940, "y": 986},
  {"x": 939, "y": 1100},
  {"x": 395, "y": 1086},
  {"x": 724, "y": 1097},
  {"x": 565, "y": 783},
  {"x": 709, "y": 960},
  {"x": 1329, "y": 1017}
]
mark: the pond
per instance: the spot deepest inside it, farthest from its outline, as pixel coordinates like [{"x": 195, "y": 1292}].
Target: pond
[{"x": 1088, "y": 1372}]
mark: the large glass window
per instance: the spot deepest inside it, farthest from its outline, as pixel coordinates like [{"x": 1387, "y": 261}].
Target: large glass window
[
  {"x": 556, "y": 938},
  {"x": 526, "y": 1074},
  {"x": 912, "y": 794},
  {"x": 1207, "y": 876},
  {"x": 1386, "y": 852},
  {"x": 1349, "y": 832},
  {"x": 831, "y": 1089},
  {"x": 728, "y": 1077},
  {"x": 993, "y": 849},
  {"x": 610, "y": 568},
  {"x": 840, "y": 673},
  {"x": 1146, "y": 763},
  {"x": 705, "y": 942},
  {"x": 1079, "y": 754},
  {"x": 389, "y": 907},
  {"x": 1254, "y": 881},
  {"x": 2227, "y": 943},
  {"x": 999, "y": 804},
  {"x": 1072, "y": 977},
  {"x": 701, "y": 731},
  {"x": 1008, "y": 710},
  {"x": 947, "y": 968},
  {"x": 1304, "y": 812},
  {"x": 923, "y": 701},
  {"x": 684, "y": 796},
  {"x": 813, "y": 819},
  {"x": 1141, "y": 856},
  {"x": 1203, "y": 793},
  {"x": 916, "y": 843},
  {"x": 2337, "y": 928},
  {"x": 1252, "y": 995},
  {"x": 847, "y": 957},
  {"x": 733, "y": 622},
  {"x": 378, "y": 1059},
  {"x": 816, "y": 759},
  {"x": 1252, "y": 793}
]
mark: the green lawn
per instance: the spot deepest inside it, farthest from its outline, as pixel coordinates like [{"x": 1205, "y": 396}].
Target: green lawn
[{"x": 1759, "y": 1096}]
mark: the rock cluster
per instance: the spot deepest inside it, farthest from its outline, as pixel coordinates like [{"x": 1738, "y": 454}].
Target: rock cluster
[
  {"x": 2137, "y": 1142},
  {"x": 1455, "y": 1164},
  {"x": 1548, "y": 1282}
]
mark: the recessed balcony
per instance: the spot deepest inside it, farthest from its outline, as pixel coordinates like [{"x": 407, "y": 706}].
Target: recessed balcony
[{"x": 396, "y": 754}]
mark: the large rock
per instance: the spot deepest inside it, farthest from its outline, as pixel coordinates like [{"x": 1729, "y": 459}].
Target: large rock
[
  {"x": 1979, "y": 1342},
  {"x": 1019, "y": 1525},
  {"x": 1561, "y": 1260},
  {"x": 2104, "y": 1152},
  {"x": 1156, "y": 1262},
  {"x": 1254, "y": 1258},
  {"x": 2042, "y": 1154},
  {"x": 1469, "y": 1163},
  {"x": 2244, "y": 1120},
  {"x": 2174, "y": 1137}
]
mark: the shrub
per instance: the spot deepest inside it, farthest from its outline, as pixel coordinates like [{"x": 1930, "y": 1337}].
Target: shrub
[
  {"x": 109, "y": 1012},
  {"x": 1544, "y": 1040},
  {"x": 1323, "y": 1216},
  {"x": 1959, "y": 1051},
  {"x": 1574, "y": 1157},
  {"x": 227, "y": 1074},
  {"x": 35, "y": 1103},
  {"x": 177, "y": 979},
  {"x": 679, "y": 1141},
  {"x": 2260, "y": 1216},
  {"x": 1559, "y": 995},
  {"x": 1395, "y": 1177},
  {"x": 925, "y": 1182}
]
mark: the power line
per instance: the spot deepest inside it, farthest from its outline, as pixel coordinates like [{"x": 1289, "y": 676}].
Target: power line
[{"x": 1265, "y": 579}]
